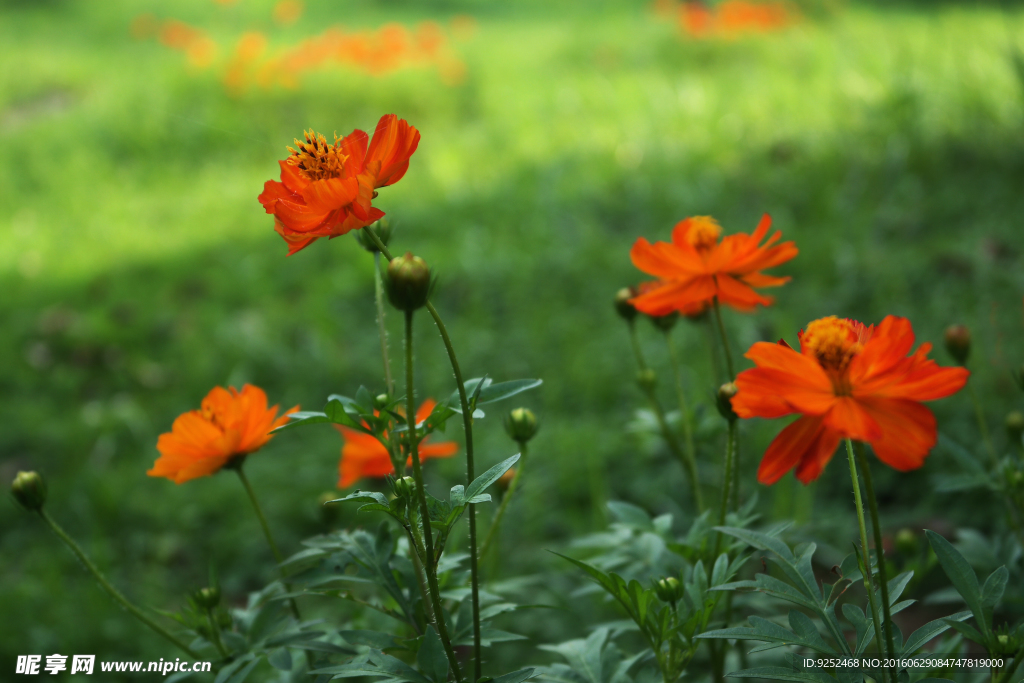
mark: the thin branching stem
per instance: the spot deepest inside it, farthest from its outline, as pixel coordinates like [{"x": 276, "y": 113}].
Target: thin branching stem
[
  {"x": 684, "y": 408},
  {"x": 378, "y": 297},
  {"x": 979, "y": 414},
  {"x": 730, "y": 463},
  {"x": 109, "y": 588},
  {"x": 429, "y": 564},
  {"x": 492, "y": 532},
  {"x": 725, "y": 340}
]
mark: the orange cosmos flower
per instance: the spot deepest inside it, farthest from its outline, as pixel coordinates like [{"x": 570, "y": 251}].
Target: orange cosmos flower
[
  {"x": 848, "y": 381},
  {"x": 696, "y": 267},
  {"x": 364, "y": 456},
  {"x": 326, "y": 190},
  {"x": 229, "y": 424}
]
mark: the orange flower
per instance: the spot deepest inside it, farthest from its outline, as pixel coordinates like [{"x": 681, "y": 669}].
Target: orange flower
[
  {"x": 364, "y": 456},
  {"x": 228, "y": 425},
  {"x": 696, "y": 267},
  {"x": 848, "y": 381},
  {"x": 326, "y": 190}
]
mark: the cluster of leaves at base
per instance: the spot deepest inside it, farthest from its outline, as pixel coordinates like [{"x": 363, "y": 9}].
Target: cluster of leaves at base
[{"x": 801, "y": 588}]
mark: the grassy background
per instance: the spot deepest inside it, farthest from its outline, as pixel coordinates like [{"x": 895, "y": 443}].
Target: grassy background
[{"x": 139, "y": 271}]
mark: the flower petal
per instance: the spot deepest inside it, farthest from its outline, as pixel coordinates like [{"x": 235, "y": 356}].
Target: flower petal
[
  {"x": 676, "y": 295},
  {"x": 807, "y": 443},
  {"x": 851, "y": 421},
  {"x": 908, "y": 431}
]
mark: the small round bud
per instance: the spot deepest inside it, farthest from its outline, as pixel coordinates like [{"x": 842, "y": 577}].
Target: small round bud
[
  {"x": 647, "y": 379},
  {"x": 505, "y": 480},
  {"x": 669, "y": 589},
  {"x": 521, "y": 424},
  {"x": 207, "y": 598},
  {"x": 665, "y": 322},
  {"x": 625, "y": 309},
  {"x": 29, "y": 489},
  {"x": 408, "y": 282},
  {"x": 405, "y": 487},
  {"x": 380, "y": 400},
  {"x": 723, "y": 400},
  {"x": 1015, "y": 426},
  {"x": 958, "y": 343},
  {"x": 906, "y": 542},
  {"x": 1017, "y": 480},
  {"x": 381, "y": 228}
]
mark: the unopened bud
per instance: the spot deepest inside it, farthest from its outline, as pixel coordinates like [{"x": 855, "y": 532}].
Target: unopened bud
[
  {"x": 381, "y": 228},
  {"x": 625, "y": 309},
  {"x": 669, "y": 589},
  {"x": 1015, "y": 426},
  {"x": 207, "y": 598},
  {"x": 505, "y": 480},
  {"x": 405, "y": 487},
  {"x": 380, "y": 400},
  {"x": 521, "y": 424},
  {"x": 647, "y": 379},
  {"x": 29, "y": 489},
  {"x": 958, "y": 343},
  {"x": 723, "y": 400},
  {"x": 906, "y": 542},
  {"x": 1017, "y": 480},
  {"x": 408, "y": 282},
  {"x": 665, "y": 322}
]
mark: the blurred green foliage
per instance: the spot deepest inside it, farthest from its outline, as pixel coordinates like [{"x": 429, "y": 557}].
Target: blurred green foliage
[{"x": 139, "y": 271}]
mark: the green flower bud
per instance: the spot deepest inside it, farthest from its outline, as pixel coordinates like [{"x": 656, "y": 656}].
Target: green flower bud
[
  {"x": 665, "y": 322},
  {"x": 906, "y": 542},
  {"x": 723, "y": 400},
  {"x": 958, "y": 343},
  {"x": 622, "y": 306},
  {"x": 381, "y": 400},
  {"x": 29, "y": 489},
  {"x": 408, "y": 282},
  {"x": 669, "y": 589},
  {"x": 647, "y": 379},
  {"x": 207, "y": 598},
  {"x": 1015, "y": 426},
  {"x": 382, "y": 229},
  {"x": 405, "y": 487},
  {"x": 521, "y": 424},
  {"x": 1017, "y": 480}
]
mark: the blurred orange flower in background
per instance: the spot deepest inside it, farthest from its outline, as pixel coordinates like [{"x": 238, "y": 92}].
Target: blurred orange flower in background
[
  {"x": 364, "y": 456},
  {"x": 326, "y": 189},
  {"x": 696, "y": 267},
  {"x": 733, "y": 16},
  {"x": 229, "y": 424},
  {"x": 848, "y": 381}
]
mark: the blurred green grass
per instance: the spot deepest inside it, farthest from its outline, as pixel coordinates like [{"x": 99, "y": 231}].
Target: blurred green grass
[{"x": 139, "y": 270}]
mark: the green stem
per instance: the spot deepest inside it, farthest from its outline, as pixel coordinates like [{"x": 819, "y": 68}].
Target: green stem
[
  {"x": 417, "y": 563},
  {"x": 492, "y": 532},
  {"x": 428, "y": 536},
  {"x": 684, "y": 409},
  {"x": 106, "y": 585},
  {"x": 1010, "y": 668},
  {"x": 864, "y": 550},
  {"x": 666, "y": 431},
  {"x": 983, "y": 426},
  {"x": 725, "y": 340},
  {"x": 735, "y": 496},
  {"x": 730, "y": 462},
  {"x": 716, "y": 366},
  {"x": 266, "y": 529},
  {"x": 467, "y": 423},
  {"x": 378, "y": 296},
  {"x": 883, "y": 573},
  {"x": 215, "y": 633}
]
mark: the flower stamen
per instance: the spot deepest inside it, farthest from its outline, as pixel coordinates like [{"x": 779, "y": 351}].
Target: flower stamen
[
  {"x": 832, "y": 341},
  {"x": 704, "y": 232},
  {"x": 315, "y": 158}
]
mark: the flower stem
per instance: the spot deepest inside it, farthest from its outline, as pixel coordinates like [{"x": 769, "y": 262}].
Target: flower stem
[
  {"x": 864, "y": 550},
  {"x": 730, "y": 463},
  {"x": 684, "y": 409},
  {"x": 215, "y": 634},
  {"x": 428, "y": 536},
  {"x": 666, "y": 431},
  {"x": 883, "y": 578},
  {"x": 467, "y": 423},
  {"x": 113, "y": 592},
  {"x": 983, "y": 426},
  {"x": 378, "y": 296},
  {"x": 725, "y": 340},
  {"x": 492, "y": 532},
  {"x": 266, "y": 529}
]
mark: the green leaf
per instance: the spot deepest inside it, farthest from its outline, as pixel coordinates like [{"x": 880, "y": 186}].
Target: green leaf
[
  {"x": 778, "y": 673},
  {"x": 374, "y": 639},
  {"x": 337, "y": 412},
  {"x": 292, "y": 638},
  {"x": 502, "y": 390},
  {"x": 921, "y": 636},
  {"x": 630, "y": 515},
  {"x": 963, "y": 577},
  {"x": 301, "y": 419},
  {"x": 280, "y": 659},
  {"x": 992, "y": 591},
  {"x": 966, "y": 630},
  {"x": 490, "y": 476},
  {"x": 238, "y": 670},
  {"x": 372, "y": 496},
  {"x": 515, "y": 676},
  {"x": 431, "y": 659}
]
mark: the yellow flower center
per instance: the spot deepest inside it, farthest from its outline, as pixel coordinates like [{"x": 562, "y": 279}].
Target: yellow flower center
[
  {"x": 315, "y": 158},
  {"x": 704, "y": 232},
  {"x": 833, "y": 341}
]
